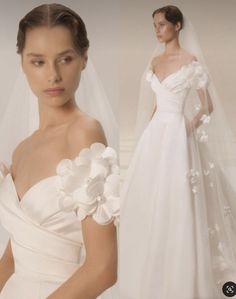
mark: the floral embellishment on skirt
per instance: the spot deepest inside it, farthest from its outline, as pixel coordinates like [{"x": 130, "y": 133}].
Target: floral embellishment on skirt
[{"x": 193, "y": 176}]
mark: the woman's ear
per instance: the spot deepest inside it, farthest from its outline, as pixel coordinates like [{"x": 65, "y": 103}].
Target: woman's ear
[
  {"x": 178, "y": 26},
  {"x": 85, "y": 56}
]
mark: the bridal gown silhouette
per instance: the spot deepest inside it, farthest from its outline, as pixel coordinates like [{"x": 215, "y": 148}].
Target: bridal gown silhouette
[
  {"x": 45, "y": 225},
  {"x": 186, "y": 246}
]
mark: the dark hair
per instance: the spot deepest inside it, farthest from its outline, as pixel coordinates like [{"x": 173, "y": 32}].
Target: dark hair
[
  {"x": 52, "y": 15},
  {"x": 172, "y": 14}
]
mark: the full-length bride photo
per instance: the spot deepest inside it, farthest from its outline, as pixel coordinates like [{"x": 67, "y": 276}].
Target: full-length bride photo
[{"x": 178, "y": 200}]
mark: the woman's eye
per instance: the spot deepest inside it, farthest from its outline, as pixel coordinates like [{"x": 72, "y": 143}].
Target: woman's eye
[
  {"x": 66, "y": 60},
  {"x": 37, "y": 62}
]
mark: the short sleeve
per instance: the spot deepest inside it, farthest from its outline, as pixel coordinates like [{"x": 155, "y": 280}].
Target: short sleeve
[
  {"x": 89, "y": 184},
  {"x": 201, "y": 78}
]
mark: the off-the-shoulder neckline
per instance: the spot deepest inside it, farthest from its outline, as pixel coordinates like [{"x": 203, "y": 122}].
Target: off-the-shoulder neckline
[
  {"x": 174, "y": 73},
  {"x": 43, "y": 180}
]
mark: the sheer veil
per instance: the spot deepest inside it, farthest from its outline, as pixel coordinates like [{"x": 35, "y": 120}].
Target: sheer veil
[{"x": 212, "y": 160}]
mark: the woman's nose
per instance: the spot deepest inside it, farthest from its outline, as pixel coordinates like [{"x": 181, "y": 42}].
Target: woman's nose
[{"x": 54, "y": 74}]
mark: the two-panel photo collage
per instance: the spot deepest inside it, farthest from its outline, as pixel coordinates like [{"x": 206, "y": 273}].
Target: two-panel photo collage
[{"x": 118, "y": 149}]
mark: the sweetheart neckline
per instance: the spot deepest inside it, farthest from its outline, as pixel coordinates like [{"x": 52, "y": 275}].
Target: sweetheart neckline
[
  {"x": 173, "y": 73},
  {"x": 20, "y": 199},
  {"x": 46, "y": 178}
]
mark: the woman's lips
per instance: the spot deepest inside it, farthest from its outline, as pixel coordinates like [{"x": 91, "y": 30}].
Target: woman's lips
[{"x": 54, "y": 91}]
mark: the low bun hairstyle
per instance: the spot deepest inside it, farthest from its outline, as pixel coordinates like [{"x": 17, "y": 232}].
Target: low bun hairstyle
[
  {"x": 172, "y": 14},
  {"x": 51, "y": 15}
]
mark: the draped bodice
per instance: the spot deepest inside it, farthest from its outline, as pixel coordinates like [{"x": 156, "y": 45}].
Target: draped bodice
[
  {"x": 171, "y": 93},
  {"x": 45, "y": 225}
]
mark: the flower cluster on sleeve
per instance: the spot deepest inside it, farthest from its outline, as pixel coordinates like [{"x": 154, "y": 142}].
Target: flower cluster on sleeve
[{"x": 89, "y": 184}]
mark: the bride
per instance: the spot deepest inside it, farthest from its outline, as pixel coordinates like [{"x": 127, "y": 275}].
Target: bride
[
  {"x": 59, "y": 199},
  {"x": 177, "y": 231}
]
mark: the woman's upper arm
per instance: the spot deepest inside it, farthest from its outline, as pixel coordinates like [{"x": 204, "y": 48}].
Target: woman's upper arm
[
  {"x": 83, "y": 136},
  {"x": 100, "y": 243},
  {"x": 99, "y": 231}
]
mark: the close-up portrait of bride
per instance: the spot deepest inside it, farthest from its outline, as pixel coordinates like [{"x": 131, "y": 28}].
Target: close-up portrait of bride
[
  {"x": 177, "y": 236},
  {"x": 59, "y": 176}
]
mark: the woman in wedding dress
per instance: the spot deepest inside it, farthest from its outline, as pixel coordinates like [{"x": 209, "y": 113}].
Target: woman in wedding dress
[
  {"x": 177, "y": 228},
  {"x": 59, "y": 199}
]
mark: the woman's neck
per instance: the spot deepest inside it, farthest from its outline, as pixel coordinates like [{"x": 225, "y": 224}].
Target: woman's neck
[
  {"x": 172, "y": 47},
  {"x": 54, "y": 117}
]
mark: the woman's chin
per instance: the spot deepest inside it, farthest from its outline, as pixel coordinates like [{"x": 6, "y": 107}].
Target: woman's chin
[{"x": 160, "y": 40}]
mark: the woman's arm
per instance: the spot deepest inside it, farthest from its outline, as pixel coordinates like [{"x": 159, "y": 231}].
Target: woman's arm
[
  {"x": 6, "y": 265},
  {"x": 206, "y": 109},
  {"x": 99, "y": 271}
]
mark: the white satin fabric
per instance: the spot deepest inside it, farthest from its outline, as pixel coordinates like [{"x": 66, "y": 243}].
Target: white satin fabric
[
  {"x": 45, "y": 225},
  {"x": 177, "y": 232}
]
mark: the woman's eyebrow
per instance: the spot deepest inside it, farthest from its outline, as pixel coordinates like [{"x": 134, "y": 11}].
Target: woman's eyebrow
[{"x": 59, "y": 54}]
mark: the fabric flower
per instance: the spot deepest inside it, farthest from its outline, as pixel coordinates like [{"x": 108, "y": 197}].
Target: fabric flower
[
  {"x": 211, "y": 164},
  {"x": 205, "y": 119},
  {"x": 193, "y": 176},
  {"x": 202, "y": 136},
  {"x": 89, "y": 184}
]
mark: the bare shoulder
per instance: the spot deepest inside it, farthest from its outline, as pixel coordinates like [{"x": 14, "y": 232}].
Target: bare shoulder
[
  {"x": 18, "y": 152},
  {"x": 188, "y": 57},
  {"x": 84, "y": 131}
]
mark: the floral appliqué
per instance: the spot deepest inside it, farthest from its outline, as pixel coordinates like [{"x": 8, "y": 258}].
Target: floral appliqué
[
  {"x": 193, "y": 176},
  {"x": 201, "y": 133},
  {"x": 89, "y": 184}
]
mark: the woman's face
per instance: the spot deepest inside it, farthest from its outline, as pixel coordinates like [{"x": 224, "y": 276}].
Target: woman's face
[
  {"x": 51, "y": 64},
  {"x": 165, "y": 30}
]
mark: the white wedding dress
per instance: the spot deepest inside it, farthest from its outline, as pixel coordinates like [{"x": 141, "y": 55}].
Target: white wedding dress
[
  {"x": 45, "y": 225},
  {"x": 177, "y": 232}
]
